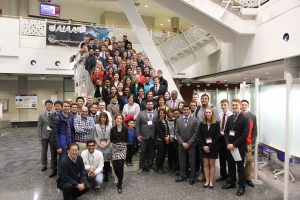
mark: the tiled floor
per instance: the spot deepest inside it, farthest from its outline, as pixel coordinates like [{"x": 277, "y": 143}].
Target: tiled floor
[{"x": 21, "y": 179}]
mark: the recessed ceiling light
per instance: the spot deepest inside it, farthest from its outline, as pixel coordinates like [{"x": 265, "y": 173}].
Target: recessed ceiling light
[
  {"x": 169, "y": 20},
  {"x": 267, "y": 72},
  {"x": 269, "y": 77},
  {"x": 225, "y": 80},
  {"x": 245, "y": 78},
  {"x": 161, "y": 24},
  {"x": 146, "y": 6}
]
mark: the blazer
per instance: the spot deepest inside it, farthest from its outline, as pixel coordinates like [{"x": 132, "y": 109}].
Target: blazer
[
  {"x": 43, "y": 123},
  {"x": 213, "y": 133},
  {"x": 161, "y": 131},
  {"x": 161, "y": 90},
  {"x": 142, "y": 127},
  {"x": 134, "y": 90},
  {"x": 170, "y": 103},
  {"x": 241, "y": 128},
  {"x": 189, "y": 133},
  {"x": 103, "y": 94}
]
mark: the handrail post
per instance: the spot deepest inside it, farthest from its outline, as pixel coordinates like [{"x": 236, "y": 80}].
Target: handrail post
[{"x": 225, "y": 8}]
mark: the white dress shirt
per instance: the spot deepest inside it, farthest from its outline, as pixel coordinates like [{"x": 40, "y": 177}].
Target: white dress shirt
[{"x": 94, "y": 160}]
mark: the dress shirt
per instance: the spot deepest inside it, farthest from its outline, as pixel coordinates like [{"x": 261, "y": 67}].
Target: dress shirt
[
  {"x": 84, "y": 129},
  {"x": 227, "y": 114},
  {"x": 94, "y": 160}
]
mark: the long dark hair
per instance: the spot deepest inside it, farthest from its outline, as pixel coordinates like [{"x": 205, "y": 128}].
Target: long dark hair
[{"x": 102, "y": 114}]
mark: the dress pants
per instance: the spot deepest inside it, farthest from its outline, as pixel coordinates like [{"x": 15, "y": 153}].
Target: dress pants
[
  {"x": 183, "y": 154},
  {"x": 198, "y": 159},
  {"x": 70, "y": 192},
  {"x": 147, "y": 154},
  {"x": 173, "y": 155},
  {"x": 249, "y": 163},
  {"x": 118, "y": 166},
  {"x": 53, "y": 157},
  {"x": 44, "y": 151},
  {"x": 232, "y": 165},
  {"x": 223, "y": 157},
  {"x": 106, "y": 168},
  {"x": 129, "y": 153},
  {"x": 161, "y": 152}
]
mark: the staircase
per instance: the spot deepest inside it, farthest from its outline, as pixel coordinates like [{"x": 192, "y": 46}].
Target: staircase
[
  {"x": 244, "y": 7},
  {"x": 191, "y": 46}
]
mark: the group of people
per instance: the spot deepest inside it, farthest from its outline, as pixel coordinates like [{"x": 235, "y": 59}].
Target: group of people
[{"x": 96, "y": 136}]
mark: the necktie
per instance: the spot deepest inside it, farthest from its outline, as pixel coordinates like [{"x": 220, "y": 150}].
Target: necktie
[
  {"x": 223, "y": 122},
  {"x": 185, "y": 121},
  {"x": 48, "y": 114},
  {"x": 173, "y": 105},
  {"x": 150, "y": 115},
  {"x": 156, "y": 89}
]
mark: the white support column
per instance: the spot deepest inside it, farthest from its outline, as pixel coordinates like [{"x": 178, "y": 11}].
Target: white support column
[
  {"x": 146, "y": 41},
  {"x": 257, "y": 104},
  {"x": 288, "y": 132}
]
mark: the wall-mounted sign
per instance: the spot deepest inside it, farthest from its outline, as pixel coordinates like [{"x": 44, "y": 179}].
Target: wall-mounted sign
[
  {"x": 28, "y": 101},
  {"x": 72, "y": 35}
]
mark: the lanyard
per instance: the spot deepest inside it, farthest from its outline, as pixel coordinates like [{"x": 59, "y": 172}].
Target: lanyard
[{"x": 234, "y": 120}]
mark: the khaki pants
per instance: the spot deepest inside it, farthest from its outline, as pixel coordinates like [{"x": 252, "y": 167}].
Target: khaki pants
[
  {"x": 249, "y": 171},
  {"x": 82, "y": 146}
]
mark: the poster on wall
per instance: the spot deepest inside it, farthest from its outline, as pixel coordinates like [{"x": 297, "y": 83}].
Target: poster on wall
[
  {"x": 27, "y": 101},
  {"x": 70, "y": 35}
]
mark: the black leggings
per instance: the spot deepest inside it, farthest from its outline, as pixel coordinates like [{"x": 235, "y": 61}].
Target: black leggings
[
  {"x": 130, "y": 152},
  {"x": 118, "y": 166}
]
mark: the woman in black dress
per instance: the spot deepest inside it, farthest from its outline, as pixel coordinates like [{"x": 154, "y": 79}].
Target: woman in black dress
[{"x": 209, "y": 132}]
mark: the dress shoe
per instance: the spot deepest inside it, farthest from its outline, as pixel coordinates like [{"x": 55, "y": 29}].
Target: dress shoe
[
  {"x": 192, "y": 181},
  {"x": 241, "y": 191},
  {"x": 52, "y": 174},
  {"x": 180, "y": 179},
  {"x": 43, "y": 169},
  {"x": 228, "y": 186},
  {"x": 205, "y": 185},
  {"x": 221, "y": 179},
  {"x": 250, "y": 183},
  {"x": 120, "y": 190},
  {"x": 211, "y": 186}
]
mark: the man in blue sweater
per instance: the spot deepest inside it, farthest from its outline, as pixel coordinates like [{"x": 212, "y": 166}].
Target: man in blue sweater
[{"x": 72, "y": 175}]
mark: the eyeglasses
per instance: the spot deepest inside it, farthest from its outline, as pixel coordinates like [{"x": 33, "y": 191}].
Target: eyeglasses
[{"x": 91, "y": 146}]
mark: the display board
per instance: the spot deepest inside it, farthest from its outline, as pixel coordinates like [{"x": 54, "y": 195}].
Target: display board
[{"x": 26, "y": 101}]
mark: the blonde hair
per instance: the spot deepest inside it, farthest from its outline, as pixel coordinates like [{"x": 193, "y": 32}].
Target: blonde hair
[{"x": 213, "y": 118}]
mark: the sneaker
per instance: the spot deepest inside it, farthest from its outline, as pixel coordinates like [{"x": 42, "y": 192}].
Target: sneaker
[{"x": 97, "y": 187}]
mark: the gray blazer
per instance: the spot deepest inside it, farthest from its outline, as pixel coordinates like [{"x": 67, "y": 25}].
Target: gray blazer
[
  {"x": 170, "y": 103},
  {"x": 43, "y": 123},
  {"x": 142, "y": 127},
  {"x": 186, "y": 134}
]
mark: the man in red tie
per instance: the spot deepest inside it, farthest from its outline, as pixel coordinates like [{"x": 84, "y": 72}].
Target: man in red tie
[
  {"x": 174, "y": 101},
  {"x": 222, "y": 149}
]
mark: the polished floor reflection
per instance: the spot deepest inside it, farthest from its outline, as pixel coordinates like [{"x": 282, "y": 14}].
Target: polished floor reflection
[{"x": 21, "y": 178}]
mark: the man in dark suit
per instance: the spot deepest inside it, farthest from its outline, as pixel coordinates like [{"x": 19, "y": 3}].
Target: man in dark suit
[
  {"x": 72, "y": 174},
  {"x": 101, "y": 92},
  {"x": 44, "y": 132},
  {"x": 58, "y": 108},
  {"x": 250, "y": 143},
  {"x": 186, "y": 132},
  {"x": 158, "y": 89},
  {"x": 146, "y": 136},
  {"x": 235, "y": 134}
]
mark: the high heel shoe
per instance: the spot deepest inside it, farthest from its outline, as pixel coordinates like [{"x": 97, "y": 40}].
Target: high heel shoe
[{"x": 211, "y": 186}]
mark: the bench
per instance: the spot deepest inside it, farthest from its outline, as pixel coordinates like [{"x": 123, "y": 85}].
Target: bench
[{"x": 24, "y": 123}]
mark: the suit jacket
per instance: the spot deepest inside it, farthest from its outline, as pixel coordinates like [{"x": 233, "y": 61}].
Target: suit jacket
[
  {"x": 213, "y": 133},
  {"x": 142, "y": 127},
  {"x": 43, "y": 123},
  {"x": 134, "y": 90},
  {"x": 161, "y": 90},
  {"x": 189, "y": 133},
  {"x": 241, "y": 128},
  {"x": 103, "y": 95},
  {"x": 170, "y": 103},
  {"x": 161, "y": 131}
]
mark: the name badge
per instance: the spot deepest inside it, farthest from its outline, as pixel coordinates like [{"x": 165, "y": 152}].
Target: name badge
[
  {"x": 149, "y": 123},
  {"x": 208, "y": 140},
  {"x": 48, "y": 128},
  {"x": 222, "y": 132},
  {"x": 232, "y": 133}
]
